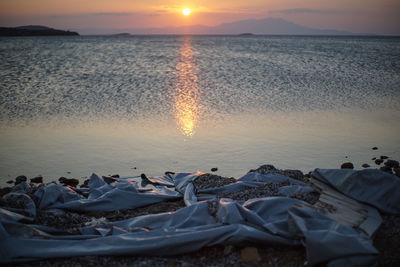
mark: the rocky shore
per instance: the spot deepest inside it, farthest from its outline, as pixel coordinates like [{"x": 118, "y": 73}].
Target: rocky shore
[{"x": 386, "y": 239}]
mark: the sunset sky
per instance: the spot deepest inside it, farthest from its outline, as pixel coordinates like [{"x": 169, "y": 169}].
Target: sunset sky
[{"x": 359, "y": 16}]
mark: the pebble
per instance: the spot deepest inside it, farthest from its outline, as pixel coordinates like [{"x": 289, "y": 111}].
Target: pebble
[
  {"x": 37, "y": 180},
  {"x": 228, "y": 250},
  {"x": 384, "y": 157},
  {"x": 85, "y": 184},
  {"x": 211, "y": 180},
  {"x": 378, "y": 161},
  {"x": 365, "y": 165},
  {"x": 374, "y": 148},
  {"x": 250, "y": 254},
  {"x": 347, "y": 165},
  {"x": 20, "y": 179},
  {"x": 386, "y": 169},
  {"x": 374, "y": 158},
  {"x": 69, "y": 181},
  {"x": 214, "y": 169},
  {"x": 10, "y": 181},
  {"x": 392, "y": 163},
  {"x": 270, "y": 169},
  {"x": 109, "y": 180}
]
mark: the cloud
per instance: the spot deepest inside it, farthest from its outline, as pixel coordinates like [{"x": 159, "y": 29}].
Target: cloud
[
  {"x": 307, "y": 11},
  {"x": 103, "y": 14}
]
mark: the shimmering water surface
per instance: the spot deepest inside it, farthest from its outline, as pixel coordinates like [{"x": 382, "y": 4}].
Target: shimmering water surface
[{"x": 184, "y": 103}]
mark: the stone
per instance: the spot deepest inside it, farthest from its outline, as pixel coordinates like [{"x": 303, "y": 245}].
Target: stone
[
  {"x": 374, "y": 148},
  {"x": 347, "y": 165},
  {"x": 295, "y": 174},
  {"x": 69, "y": 181},
  {"x": 228, "y": 250},
  {"x": 378, "y": 161},
  {"x": 37, "y": 180},
  {"x": 85, "y": 184},
  {"x": 249, "y": 254},
  {"x": 392, "y": 163},
  {"x": 20, "y": 179},
  {"x": 214, "y": 169},
  {"x": 365, "y": 165},
  {"x": 386, "y": 169},
  {"x": 374, "y": 158},
  {"x": 115, "y": 176},
  {"x": 169, "y": 173},
  {"x": 109, "y": 180},
  {"x": 396, "y": 171},
  {"x": 10, "y": 181},
  {"x": 384, "y": 157}
]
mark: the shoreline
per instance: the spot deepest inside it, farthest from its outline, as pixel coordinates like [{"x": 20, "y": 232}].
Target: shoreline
[{"x": 386, "y": 240}]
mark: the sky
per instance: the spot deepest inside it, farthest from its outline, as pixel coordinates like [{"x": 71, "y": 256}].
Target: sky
[{"x": 358, "y": 16}]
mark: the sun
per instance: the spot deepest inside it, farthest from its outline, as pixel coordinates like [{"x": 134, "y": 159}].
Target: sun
[{"x": 186, "y": 12}]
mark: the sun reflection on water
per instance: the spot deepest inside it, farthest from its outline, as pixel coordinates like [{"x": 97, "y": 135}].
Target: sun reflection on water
[{"x": 186, "y": 100}]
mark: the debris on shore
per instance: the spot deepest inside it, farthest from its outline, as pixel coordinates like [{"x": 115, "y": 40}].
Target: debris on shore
[{"x": 386, "y": 239}]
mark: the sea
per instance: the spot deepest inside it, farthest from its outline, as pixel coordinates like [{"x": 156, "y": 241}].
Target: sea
[{"x": 73, "y": 106}]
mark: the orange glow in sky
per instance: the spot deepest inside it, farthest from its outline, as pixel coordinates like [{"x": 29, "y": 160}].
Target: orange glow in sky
[
  {"x": 374, "y": 16},
  {"x": 186, "y": 12}
]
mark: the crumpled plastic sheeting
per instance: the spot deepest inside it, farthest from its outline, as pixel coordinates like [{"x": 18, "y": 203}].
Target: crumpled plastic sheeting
[
  {"x": 377, "y": 188},
  {"x": 124, "y": 194},
  {"x": 272, "y": 220}
]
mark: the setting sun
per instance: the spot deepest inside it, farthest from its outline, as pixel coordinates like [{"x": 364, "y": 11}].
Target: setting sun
[{"x": 186, "y": 12}]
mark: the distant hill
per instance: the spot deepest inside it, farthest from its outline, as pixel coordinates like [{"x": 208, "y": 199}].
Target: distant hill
[
  {"x": 272, "y": 26},
  {"x": 33, "y": 30}
]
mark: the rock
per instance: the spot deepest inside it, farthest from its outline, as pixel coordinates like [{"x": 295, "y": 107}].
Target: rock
[
  {"x": 378, "y": 161},
  {"x": 392, "y": 163},
  {"x": 169, "y": 173},
  {"x": 145, "y": 179},
  {"x": 295, "y": 174},
  {"x": 384, "y": 157},
  {"x": 249, "y": 254},
  {"x": 208, "y": 180},
  {"x": 270, "y": 169},
  {"x": 374, "y": 148},
  {"x": 109, "y": 180},
  {"x": 20, "y": 201},
  {"x": 347, "y": 165},
  {"x": 264, "y": 169},
  {"x": 396, "y": 171},
  {"x": 214, "y": 169},
  {"x": 20, "y": 179},
  {"x": 10, "y": 181},
  {"x": 85, "y": 184},
  {"x": 69, "y": 181},
  {"x": 386, "y": 169},
  {"x": 365, "y": 165},
  {"x": 115, "y": 176},
  {"x": 228, "y": 250},
  {"x": 37, "y": 180},
  {"x": 374, "y": 158}
]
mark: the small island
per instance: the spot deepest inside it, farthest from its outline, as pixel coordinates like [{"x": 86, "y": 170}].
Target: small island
[{"x": 34, "y": 30}]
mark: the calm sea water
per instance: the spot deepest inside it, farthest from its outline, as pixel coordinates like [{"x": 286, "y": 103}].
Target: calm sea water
[{"x": 71, "y": 106}]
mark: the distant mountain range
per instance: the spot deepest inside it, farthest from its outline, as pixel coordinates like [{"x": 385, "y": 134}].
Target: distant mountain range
[
  {"x": 33, "y": 30},
  {"x": 273, "y": 26}
]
